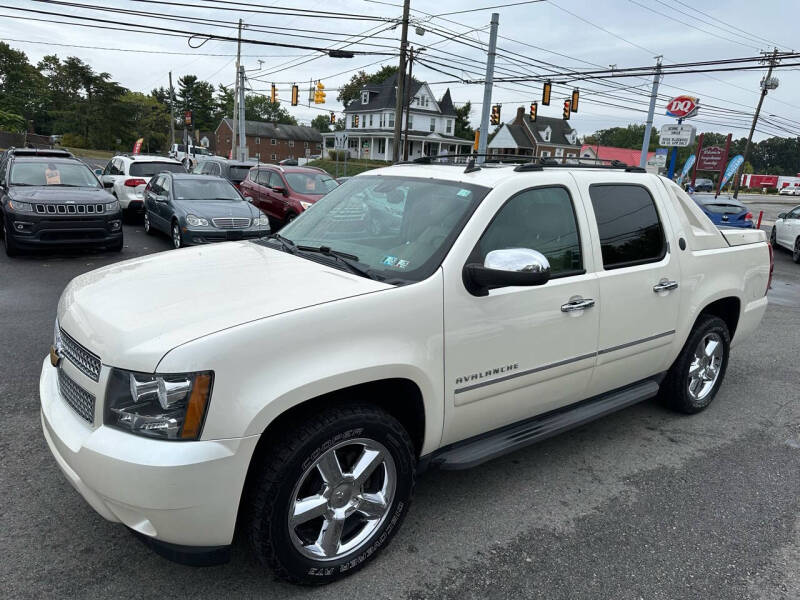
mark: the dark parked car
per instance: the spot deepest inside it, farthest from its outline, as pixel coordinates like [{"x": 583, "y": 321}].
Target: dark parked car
[
  {"x": 703, "y": 185},
  {"x": 725, "y": 211},
  {"x": 198, "y": 209},
  {"x": 282, "y": 193},
  {"x": 49, "y": 198},
  {"x": 234, "y": 171}
]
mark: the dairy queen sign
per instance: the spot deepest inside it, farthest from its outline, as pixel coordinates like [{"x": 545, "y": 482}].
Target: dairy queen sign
[{"x": 682, "y": 107}]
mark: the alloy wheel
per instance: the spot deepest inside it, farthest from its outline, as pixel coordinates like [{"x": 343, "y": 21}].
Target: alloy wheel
[
  {"x": 706, "y": 366},
  {"x": 146, "y": 223},
  {"x": 342, "y": 499},
  {"x": 176, "y": 236}
]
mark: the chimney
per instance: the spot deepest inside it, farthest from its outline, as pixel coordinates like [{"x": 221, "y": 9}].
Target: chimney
[{"x": 520, "y": 115}]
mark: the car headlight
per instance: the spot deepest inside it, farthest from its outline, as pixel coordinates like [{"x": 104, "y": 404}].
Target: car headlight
[
  {"x": 168, "y": 407},
  {"x": 261, "y": 222},
  {"x": 306, "y": 205},
  {"x": 113, "y": 206},
  {"x": 20, "y": 206},
  {"x": 196, "y": 221}
]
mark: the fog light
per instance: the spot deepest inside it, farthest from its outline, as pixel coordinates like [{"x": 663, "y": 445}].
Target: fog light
[{"x": 115, "y": 225}]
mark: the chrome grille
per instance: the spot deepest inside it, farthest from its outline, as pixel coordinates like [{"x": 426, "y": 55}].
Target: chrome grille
[
  {"x": 87, "y": 362},
  {"x": 70, "y": 209},
  {"x": 231, "y": 222},
  {"x": 81, "y": 401}
]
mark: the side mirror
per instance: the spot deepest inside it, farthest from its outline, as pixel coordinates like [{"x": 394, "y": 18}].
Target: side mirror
[
  {"x": 281, "y": 190},
  {"x": 505, "y": 268},
  {"x": 248, "y": 199},
  {"x": 782, "y": 215}
]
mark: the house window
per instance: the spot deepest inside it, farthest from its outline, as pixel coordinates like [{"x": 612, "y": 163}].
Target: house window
[
  {"x": 545, "y": 153},
  {"x": 370, "y": 120},
  {"x": 305, "y": 144},
  {"x": 273, "y": 157},
  {"x": 410, "y": 121},
  {"x": 559, "y": 152},
  {"x": 258, "y": 141},
  {"x": 570, "y": 155},
  {"x": 274, "y": 142},
  {"x": 364, "y": 97},
  {"x": 382, "y": 120},
  {"x": 433, "y": 124},
  {"x": 291, "y": 143},
  {"x": 449, "y": 128},
  {"x": 391, "y": 119}
]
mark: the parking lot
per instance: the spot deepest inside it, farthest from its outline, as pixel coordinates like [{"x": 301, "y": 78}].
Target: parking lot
[{"x": 644, "y": 503}]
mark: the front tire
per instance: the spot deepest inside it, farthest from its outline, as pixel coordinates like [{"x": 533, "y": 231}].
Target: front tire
[
  {"x": 796, "y": 251},
  {"x": 177, "y": 238},
  {"x": 328, "y": 495},
  {"x": 773, "y": 238},
  {"x": 697, "y": 374}
]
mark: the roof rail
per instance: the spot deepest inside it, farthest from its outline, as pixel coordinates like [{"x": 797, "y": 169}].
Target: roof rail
[
  {"x": 530, "y": 163},
  {"x": 52, "y": 152}
]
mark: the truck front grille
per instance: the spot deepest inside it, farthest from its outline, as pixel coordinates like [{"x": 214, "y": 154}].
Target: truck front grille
[
  {"x": 86, "y": 361},
  {"x": 81, "y": 401},
  {"x": 70, "y": 209}
]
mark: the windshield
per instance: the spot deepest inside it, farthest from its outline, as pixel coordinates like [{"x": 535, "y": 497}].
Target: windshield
[
  {"x": 204, "y": 188},
  {"x": 311, "y": 183},
  {"x": 71, "y": 174},
  {"x": 400, "y": 228},
  {"x": 148, "y": 169}
]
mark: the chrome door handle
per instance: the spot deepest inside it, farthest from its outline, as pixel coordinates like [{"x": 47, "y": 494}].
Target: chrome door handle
[
  {"x": 577, "y": 304},
  {"x": 665, "y": 285}
]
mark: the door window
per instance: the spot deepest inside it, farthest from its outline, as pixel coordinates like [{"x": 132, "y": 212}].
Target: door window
[
  {"x": 263, "y": 177},
  {"x": 166, "y": 184},
  {"x": 541, "y": 219},
  {"x": 627, "y": 220},
  {"x": 155, "y": 185},
  {"x": 275, "y": 180}
]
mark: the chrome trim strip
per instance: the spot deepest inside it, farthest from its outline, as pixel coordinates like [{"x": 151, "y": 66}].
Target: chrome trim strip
[
  {"x": 641, "y": 341},
  {"x": 560, "y": 363}
]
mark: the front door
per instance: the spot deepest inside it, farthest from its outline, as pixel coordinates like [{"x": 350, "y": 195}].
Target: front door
[
  {"x": 522, "y": 351},
  {"x": 789, "y": 229},
  {"x": 639, "y": 283}
]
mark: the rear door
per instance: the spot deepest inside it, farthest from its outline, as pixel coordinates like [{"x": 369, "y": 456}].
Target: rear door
[{"x": 639, "y": 280}]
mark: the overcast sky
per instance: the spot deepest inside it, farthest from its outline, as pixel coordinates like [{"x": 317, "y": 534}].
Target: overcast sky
[{"x": 626, "y": 33}]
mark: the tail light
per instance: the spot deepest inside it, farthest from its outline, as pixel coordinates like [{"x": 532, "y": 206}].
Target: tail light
[
  {"x": 771, "y": 267},
  {"x": 748, "y": 217},
  {"x": 134, "y": 182}
]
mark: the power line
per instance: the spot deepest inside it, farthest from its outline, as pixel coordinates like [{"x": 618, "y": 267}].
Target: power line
[{"x": 470, "y": 10}]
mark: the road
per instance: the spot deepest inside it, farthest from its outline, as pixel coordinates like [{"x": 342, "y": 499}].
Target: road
[{"x": 644, "y": 503}]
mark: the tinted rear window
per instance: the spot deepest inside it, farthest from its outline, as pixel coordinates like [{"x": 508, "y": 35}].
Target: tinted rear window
[
  {"x": 148, "y": 169},
  {"x": 239, "y": 173},
  {"x": 627, "y": 220}
]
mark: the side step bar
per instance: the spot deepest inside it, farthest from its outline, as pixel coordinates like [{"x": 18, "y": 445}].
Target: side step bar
[{"x": 474, "y": 451}]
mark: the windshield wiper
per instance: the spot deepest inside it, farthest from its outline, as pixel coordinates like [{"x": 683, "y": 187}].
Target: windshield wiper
[
  {"x": 348, "y": 260},
  {"x": 287, "y": 244}
]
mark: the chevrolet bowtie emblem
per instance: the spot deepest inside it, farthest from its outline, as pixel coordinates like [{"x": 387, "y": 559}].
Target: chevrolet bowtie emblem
[{"x": 55, "y": 357}]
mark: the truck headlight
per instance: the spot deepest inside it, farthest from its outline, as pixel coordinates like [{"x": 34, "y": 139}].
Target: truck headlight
[
  {"x": 168, "y": 406},
  {"x": 195, "y": 221}
]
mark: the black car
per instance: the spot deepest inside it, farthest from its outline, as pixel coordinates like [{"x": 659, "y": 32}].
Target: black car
[
  {"x": 198, "y": 209},
  {"x": 703, "y": 185},
  {"x": 234, "y": 171},
  {"x": 49, "y": 198}
]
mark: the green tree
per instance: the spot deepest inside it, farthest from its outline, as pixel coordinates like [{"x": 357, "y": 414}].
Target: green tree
[
  {"x": 144, "y": 117},
  {"x": 261, "y": 108},
  {"x": 463, "y": 128},
  {"x": 352, "y": 89},
  {"x": 11, "y": 122},
  {"x": 22, "y": 88},
  {"x": 197, "y": 96},
  {"x": 321, "y": 123}
]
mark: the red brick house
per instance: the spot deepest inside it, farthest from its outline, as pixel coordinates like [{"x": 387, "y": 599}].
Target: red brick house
[
  {"x": 546, "y": 137},
  {"x": 270, "y": 142}
]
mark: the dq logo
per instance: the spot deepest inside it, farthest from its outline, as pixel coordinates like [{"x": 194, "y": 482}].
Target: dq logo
[{"x": 682, "y": 107}]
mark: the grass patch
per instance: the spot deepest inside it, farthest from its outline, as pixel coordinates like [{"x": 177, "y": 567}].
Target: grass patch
[{"x": 354, "y": 167}]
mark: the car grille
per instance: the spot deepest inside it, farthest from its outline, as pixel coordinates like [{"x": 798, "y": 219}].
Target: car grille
[
  {"x": 70, "y": 209},
  {"x": 87, "y": 362},
  {"x": 231, "y": 222},
  {"x": 81, "y": 401}
]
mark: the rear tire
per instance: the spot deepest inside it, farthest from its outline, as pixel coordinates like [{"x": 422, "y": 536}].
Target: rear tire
[
  {"x": 177, "y": 238},
  {"x": 148, "y": 227},
  {"x": 697, "y": 374},
  {"x": 317, "y": 463},
  {"x": 796, "y": 251}
]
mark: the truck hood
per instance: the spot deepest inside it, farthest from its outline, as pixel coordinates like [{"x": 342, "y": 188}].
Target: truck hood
[{"x": 133, "y": 312}]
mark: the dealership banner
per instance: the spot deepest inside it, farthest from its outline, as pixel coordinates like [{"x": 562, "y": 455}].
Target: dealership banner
[
  {"x": 686, "y": 167},
  {"x": 733, "y": 166},
  {"x": 137, "y": 147}
]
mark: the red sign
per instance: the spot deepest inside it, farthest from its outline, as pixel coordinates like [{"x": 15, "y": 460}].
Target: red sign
[
  {"x": 137, "y": 147},
  {"x": 711, "y": 159},
  {"x": 682, "y": 107}
]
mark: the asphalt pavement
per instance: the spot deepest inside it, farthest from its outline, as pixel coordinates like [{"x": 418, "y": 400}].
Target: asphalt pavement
[{"x": 643, "y": 504}]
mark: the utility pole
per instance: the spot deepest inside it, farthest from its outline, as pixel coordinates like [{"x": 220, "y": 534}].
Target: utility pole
[
  {"x": 766, "y": 84},
  {"x": 235, "y": 115},
  {"x": 651, "y": 111},
  {"x": 407, "y": 102},
  {"x": 487, "y": 88},
  {"x": 171, "y": 113},
  {"x": 242, "y": 153},
  {"x": 401, "y": 73}
]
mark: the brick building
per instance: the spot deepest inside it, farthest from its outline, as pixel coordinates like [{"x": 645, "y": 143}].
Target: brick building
[
  {"x": 270, "y": 142},
  {"x": 546, "y": 137}
]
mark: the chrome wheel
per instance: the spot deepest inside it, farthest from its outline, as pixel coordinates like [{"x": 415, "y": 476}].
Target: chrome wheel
[
  {"x": 706, "y": 366},
  {"x": 342, "y": 499},
  {"x": 146, "y": 223},
  {"x": 176, "y": 236}
]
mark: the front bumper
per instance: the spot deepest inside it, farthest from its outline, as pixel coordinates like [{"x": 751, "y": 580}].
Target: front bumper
[
  {"x": 176, "y": 494},
  {"x": 209, "y": 235},
  {"x": 34, "y": 230}
]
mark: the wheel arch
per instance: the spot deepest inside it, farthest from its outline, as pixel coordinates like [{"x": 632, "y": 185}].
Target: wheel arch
[{"x": 728, "y": 309}]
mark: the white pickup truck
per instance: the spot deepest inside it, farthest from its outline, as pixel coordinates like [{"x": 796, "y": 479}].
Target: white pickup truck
[{"x": 294, "y": 386}]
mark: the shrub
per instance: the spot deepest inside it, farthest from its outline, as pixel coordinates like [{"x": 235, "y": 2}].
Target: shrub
[{"x": 73, "y": 140}]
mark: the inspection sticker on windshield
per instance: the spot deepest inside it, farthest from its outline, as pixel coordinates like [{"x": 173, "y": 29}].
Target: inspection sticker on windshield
[
  {"x": 390, "y": 261},
  {"x": 464, "y": 193},
  {"x": 402, "y": 264}
]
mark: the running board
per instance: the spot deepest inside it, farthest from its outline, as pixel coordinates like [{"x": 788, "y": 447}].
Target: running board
[{"x": 472, "y": 452}]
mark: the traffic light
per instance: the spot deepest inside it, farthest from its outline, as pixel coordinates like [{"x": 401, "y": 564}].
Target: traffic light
[
  {"x": 333, "y": 118},
  {"x": 355, "y": 121},
  {"x": 546, "y": 91},
  {"x": 575, "y": 94},
  {"x": 274, "y": 94},
  {"x": 567, "y": 104},
  {"x": 495, "y": 116},
  {"x": 319, "y": 94},
  {"x": 534, "y": 106},
  {"x": 477, "y": 140},
  {"x": 295, "y": 95}
]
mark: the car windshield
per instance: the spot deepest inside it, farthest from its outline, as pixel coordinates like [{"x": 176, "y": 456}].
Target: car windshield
[
  {"x": 311, "y": 183},
  {"x": 148, "y": 169},
  {"x": 72, "y": 174},
  {"x": 204, "y": 188},
  {"x": 400, "y": 228}
]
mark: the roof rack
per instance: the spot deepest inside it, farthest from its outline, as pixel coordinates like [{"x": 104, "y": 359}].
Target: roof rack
[
  {"x": 524, "y": 162},
  {"x": 54, "y": 153}
]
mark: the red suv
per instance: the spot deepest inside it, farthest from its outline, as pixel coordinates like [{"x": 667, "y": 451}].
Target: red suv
[{"x": 282, "y": 193}]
